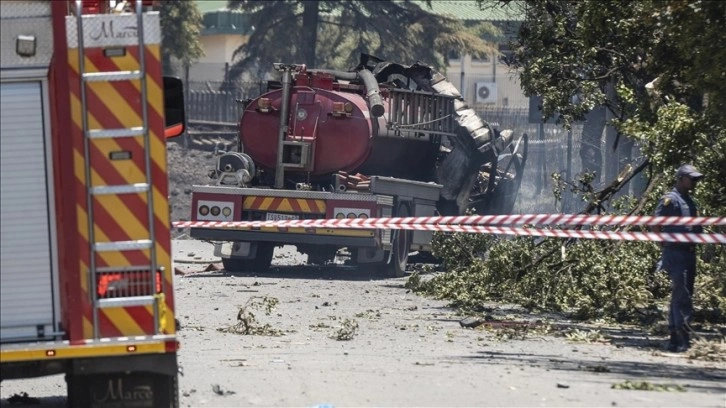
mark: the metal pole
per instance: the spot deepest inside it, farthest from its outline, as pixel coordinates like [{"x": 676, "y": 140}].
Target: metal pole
[
  {"x": 87, "y": 170},
  {"x": 541, "y": 181},
  {"x": 462, "y": 86},
  {"x": 147, "y": 158},
  {"x": 186, "y": 138},
  {"x": 567, "y": 196}
]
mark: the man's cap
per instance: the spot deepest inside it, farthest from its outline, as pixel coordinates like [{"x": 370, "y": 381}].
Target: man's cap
[{"x": 690, "y": 171}]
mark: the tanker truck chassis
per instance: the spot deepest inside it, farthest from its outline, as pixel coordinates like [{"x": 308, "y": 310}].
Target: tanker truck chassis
[{"x": 384, "y": 140}]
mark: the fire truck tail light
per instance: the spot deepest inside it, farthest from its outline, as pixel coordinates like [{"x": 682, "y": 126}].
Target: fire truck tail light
[
  {"x": 171, "y": 346},
  {"x": 131, "y": 348},
  {"x": 213, "y": 210},
  {"x": 127, "y": 283},
  {"x": 351, "y": 213}
]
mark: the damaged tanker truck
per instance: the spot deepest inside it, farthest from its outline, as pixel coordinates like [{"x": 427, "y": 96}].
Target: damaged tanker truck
[{"x": 383, "y": 140}]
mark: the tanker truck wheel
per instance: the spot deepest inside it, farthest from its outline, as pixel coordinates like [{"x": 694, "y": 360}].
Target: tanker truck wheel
[
  {"x": 401, "y": 246},
  {"x": 261, "y": 262}
]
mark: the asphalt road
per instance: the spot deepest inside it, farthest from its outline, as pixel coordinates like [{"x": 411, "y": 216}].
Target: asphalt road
[{"x": 406, "y": 350}]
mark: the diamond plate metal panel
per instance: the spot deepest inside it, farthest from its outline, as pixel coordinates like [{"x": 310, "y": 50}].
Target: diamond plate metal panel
[
  {"x": 24, "y": 9},
  {"x": 110, "y": 30},
  {"x": 38, "y": 27}
]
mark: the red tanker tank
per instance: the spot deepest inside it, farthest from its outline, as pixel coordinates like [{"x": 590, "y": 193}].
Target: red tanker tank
[{"x": 332, "y": 127}]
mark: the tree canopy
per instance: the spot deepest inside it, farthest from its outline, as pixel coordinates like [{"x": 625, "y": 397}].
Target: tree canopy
[
  {"x": 658, "y": 66},
  {"x": 181, "y": 25},
  {"x": 332, "y": 34}
]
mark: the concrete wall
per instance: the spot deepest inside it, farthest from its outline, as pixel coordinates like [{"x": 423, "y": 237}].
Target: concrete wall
[{"x": 487, "y": 74}]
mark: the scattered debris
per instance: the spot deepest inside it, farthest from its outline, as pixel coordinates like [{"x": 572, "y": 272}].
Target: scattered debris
[
  {"x": 213, "y": 267},
  {"x": 647, "y": 386},
  {"x": 512, "y": 330},
  {"x": 511, "y": 333},
  {"x": 589, "y": 336},
  {"x": 414, "y": 282},
  {"x": 708, "y": 350},
  {"x": 562, "y": 385},
  {"x": 369, "y": 314},
  {"x": 319, "y": 326},
  {"x": 219, "y": 391},
  {"x": 348, "y": 329},
  {"x": 471, "y": 322},
  {"x": 247, "y": 322}
]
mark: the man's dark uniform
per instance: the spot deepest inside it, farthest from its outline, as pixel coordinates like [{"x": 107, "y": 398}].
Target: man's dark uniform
[{"x": 679, "y": 260}]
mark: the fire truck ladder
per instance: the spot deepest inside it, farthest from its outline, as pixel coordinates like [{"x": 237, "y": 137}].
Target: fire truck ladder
[{"x": 140, "y": 282}]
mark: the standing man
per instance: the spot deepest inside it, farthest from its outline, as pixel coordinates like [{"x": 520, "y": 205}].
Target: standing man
[{"x": 679, "y": 259}]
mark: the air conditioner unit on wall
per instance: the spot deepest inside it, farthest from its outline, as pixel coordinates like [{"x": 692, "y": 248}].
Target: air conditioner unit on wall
[{"x": 486, "y": 92}]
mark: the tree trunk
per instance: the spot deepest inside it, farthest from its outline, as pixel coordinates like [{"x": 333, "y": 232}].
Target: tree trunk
[{"x": 310, "y": 31}]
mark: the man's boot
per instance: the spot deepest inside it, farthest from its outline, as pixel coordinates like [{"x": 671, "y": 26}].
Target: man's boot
[
  {"x": 673, "y": 343},
  {"x": 682, "y": 341}
]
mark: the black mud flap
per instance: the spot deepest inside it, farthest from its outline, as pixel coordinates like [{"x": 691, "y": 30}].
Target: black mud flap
[
  {"x": 141, "y": 381},
  {"x": 123, "y": 390}
]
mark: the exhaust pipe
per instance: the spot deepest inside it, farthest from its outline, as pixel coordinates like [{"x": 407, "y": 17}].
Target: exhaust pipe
[
  {"x": 375, "y": 102},
  {"x": 373, "y": 92}
]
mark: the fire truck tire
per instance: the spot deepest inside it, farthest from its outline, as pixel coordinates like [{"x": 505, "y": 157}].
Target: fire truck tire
[
  {"x": 261, "y": 262},
  {"x": 401, "y": 246}
]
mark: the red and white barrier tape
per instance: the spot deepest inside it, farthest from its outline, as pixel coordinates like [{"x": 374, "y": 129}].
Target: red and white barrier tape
[{"x": 473, "y": 224}]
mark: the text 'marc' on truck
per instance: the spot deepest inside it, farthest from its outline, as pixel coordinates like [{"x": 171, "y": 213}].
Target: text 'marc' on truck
[
  {"x": 85, "y": 254},
  {"x": 384, "y": 140}
]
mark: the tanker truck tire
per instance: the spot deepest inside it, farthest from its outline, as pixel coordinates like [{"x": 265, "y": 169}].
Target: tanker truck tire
[
  {"x": 401, "y": 246},
  {"x": 261, "y": 262}
]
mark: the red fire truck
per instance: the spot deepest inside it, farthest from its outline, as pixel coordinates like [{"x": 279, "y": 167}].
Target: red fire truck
[{"x": 85, "y": 268}]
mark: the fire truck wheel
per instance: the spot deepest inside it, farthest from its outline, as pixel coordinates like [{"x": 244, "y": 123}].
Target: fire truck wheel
[
  {"x": 261, "y": 263},
  {"x": 401, "y": 246}
]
